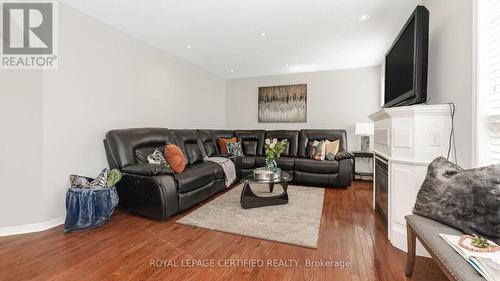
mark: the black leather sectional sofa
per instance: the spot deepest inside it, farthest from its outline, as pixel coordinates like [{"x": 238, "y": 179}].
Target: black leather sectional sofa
[{"x": 157, "y": 192}]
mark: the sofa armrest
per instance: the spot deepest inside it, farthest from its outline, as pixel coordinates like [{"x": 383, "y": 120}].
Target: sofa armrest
[
  {"x": 147, "y": 169},
  {"x": 149, "y": 196},
  {"x": 237, "y": 165},
  {"x": 344, "y": 154},
  {"x": 345, "y": 175}
]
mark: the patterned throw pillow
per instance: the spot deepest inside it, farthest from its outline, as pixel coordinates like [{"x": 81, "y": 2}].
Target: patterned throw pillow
[
  {"x": 331, "y": 149},
  {"x": 318, "y": 150},
  {"x": 101, "y": 179},
  {"x": 329, "y": 157},
  {"x": 84, "y": 182},
  {"x": 157, "y": 158},
  {"x": 234, "y": 148}
]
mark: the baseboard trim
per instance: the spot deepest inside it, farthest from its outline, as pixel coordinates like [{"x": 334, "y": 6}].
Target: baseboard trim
[
  {"x": 398, "y": 240},
  {"x": 29, "y": 228}
]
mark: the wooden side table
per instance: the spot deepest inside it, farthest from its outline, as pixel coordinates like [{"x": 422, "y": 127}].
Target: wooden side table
[{"x": 361, "y": 154}]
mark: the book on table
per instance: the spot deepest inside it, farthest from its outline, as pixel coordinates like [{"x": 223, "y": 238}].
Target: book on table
[{"x": 486, "y": 263}]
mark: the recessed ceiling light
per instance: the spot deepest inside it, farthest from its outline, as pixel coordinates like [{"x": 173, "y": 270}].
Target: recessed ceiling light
[
  {"x": 232, "y": 70},
  {"x": 364, "y": 17},
  {"x": 287, "y": 65},
  {"x": 188, "y": 46},
  {"x": 263, "y": 34}
]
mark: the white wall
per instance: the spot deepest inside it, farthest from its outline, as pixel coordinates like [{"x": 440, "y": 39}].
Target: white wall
[
  {"x": 335, "y": 100},
  {"x": 105, "y": 80},
  {"x": 450, "y": 67},
  {"x": 20, "y": 146}
]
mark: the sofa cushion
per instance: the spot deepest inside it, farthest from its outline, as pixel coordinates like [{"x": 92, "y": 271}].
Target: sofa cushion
[
  {"x": 208, "y": 143},
  {"x": 250, "y": 147},
  {"x": 198, "y": 175},
  {"x": 210, "y": 138},
  {"x": 315, "y": 166},
  {"x": 123, "y": 144},
  {"x": 252, "y": 141},
  {"x": 247, "y": 162},
  {"x": 190, "y": 144},
  {"x": 316, "y": 179},
  {"x": 284, "y": 163}
]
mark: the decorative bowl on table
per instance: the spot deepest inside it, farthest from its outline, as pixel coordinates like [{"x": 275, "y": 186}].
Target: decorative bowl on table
[
  {"x": 477, "y": 243},
  {"x": 264, "y": 174}
]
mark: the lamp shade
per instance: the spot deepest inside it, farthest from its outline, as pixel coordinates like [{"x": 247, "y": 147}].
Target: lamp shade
[{"x": 364, "y": 128}]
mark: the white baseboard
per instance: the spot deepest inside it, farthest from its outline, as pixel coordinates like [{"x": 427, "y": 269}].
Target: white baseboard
[
  {"x": 398, "y": 240},
  {"x": 29, "y": 228}
]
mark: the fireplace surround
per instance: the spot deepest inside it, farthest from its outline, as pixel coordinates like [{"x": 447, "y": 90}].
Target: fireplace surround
[{"x": 408, "y": 138}]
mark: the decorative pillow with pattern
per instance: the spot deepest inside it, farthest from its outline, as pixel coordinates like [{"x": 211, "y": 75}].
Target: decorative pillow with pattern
[
  {"x": 329, "y": 157},
  {"x": 318, "y": 150},
  {"x": 331, "y": 149},
  {"x": 84, "y": 182},
  {"x": 157, "y": 157},
  {"x": 234, "y": 148}
]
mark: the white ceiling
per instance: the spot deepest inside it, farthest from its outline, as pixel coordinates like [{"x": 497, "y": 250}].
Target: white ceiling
[{"x": 225, "y": 35}]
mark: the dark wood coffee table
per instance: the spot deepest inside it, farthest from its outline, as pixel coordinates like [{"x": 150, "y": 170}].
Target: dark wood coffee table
[{"x": 250, "y": 200}]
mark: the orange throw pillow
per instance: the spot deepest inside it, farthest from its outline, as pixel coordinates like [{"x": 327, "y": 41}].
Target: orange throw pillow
[
  {"x": 175, "y": 158},
  {"x": 223, "y": 144}
]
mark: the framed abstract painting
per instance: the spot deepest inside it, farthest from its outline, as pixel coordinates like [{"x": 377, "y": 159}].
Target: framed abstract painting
[{"x": 283, "y": 104}]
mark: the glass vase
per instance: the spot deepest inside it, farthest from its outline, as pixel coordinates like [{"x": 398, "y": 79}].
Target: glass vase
[{"x": 271, "y": 164}]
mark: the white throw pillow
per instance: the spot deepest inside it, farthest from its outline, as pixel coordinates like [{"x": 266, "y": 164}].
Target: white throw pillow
[{"x": 331, "y": 149}]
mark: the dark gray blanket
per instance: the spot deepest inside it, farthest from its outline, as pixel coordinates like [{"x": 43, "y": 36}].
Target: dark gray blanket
[{"x": 468, "y": 200}]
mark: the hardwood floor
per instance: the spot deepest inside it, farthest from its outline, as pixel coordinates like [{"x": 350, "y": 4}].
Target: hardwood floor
[{"x": 123, "y": 249}]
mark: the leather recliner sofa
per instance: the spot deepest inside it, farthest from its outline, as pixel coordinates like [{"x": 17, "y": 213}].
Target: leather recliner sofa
[{"x": 157, "y": 192}]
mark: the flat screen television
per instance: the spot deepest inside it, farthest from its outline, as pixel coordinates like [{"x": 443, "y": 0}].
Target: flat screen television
[{"x": 406, "y": 62}]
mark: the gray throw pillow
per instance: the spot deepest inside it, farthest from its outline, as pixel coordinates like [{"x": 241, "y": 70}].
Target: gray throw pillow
[{"x": 468, "y": 200}]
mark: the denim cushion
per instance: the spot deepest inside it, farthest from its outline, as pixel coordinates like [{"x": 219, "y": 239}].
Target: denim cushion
[{"x": 89, "y": 208}]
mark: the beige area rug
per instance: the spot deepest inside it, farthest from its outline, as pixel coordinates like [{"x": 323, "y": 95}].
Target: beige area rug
[{"x": 295, "y": 223}]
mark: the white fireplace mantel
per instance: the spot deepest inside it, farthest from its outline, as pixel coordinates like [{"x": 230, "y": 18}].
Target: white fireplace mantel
[{"x": 409, "y": 138}]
